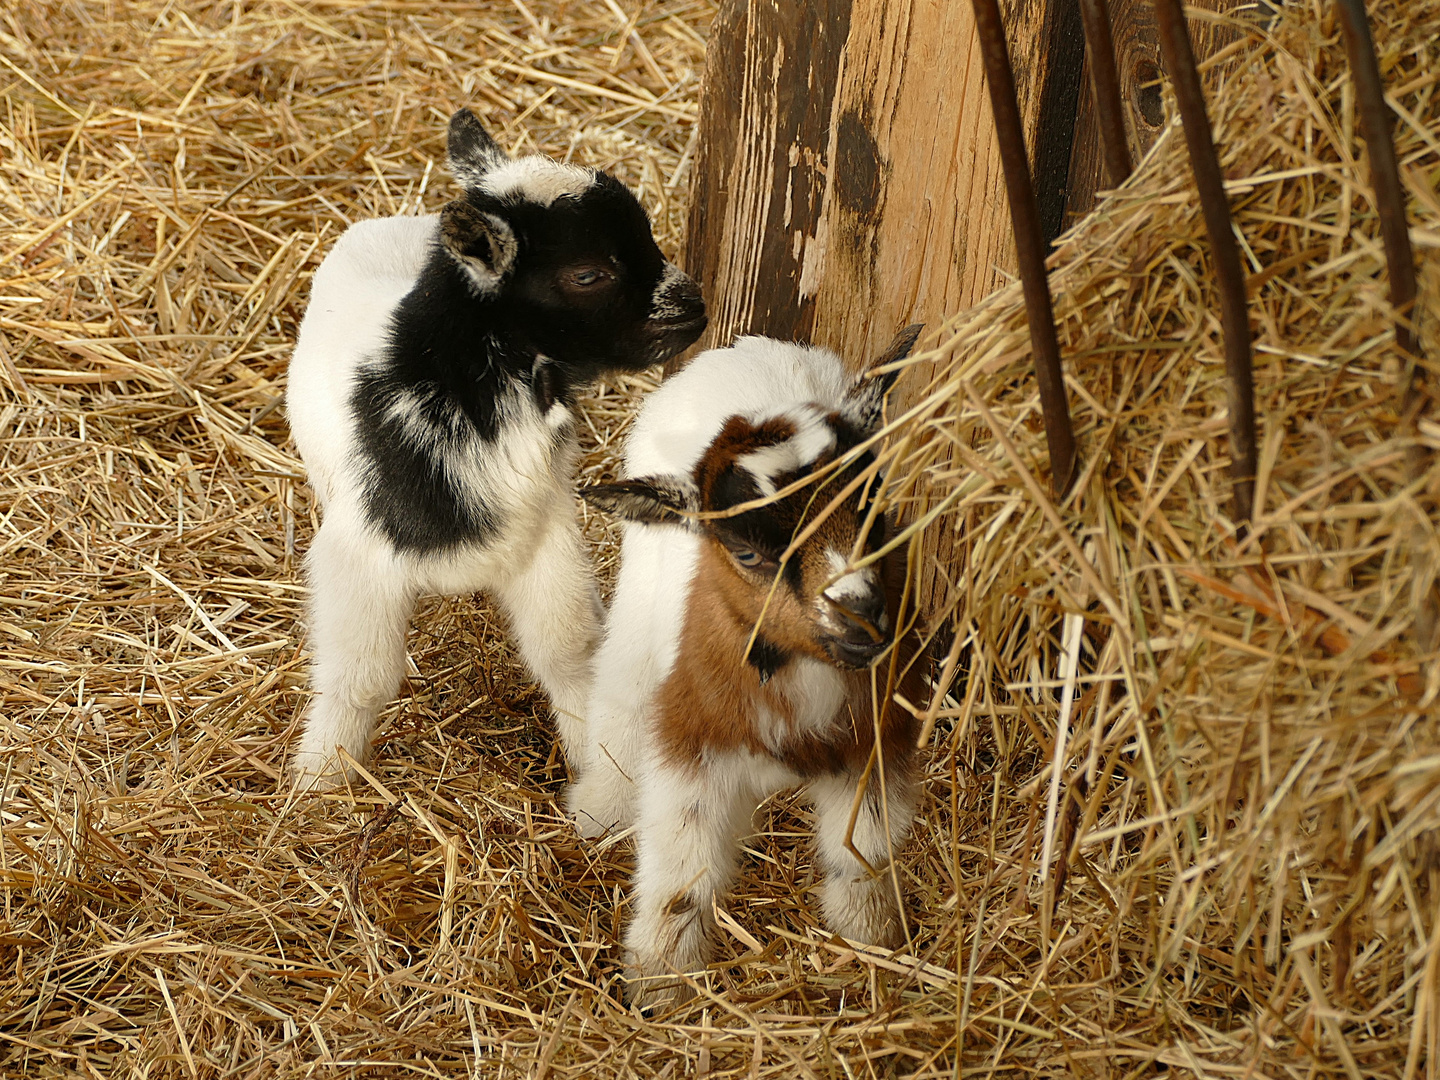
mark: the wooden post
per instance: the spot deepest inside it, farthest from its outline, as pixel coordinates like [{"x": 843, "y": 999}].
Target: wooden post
[{"x": 847, "y": 178}]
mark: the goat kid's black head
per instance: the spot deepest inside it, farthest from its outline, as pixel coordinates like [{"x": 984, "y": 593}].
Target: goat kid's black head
[
  {"x": 569, "y": 250},
  {"x": 821, "y": 606}
]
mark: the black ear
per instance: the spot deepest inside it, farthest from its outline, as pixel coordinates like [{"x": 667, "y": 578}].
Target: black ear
[
  {"x": 900, "y": 348},
  {"x": 471, "y": 150},
  {"x": 655, "y": 500},
  {"x": 864, "y": 405},
  {"x": 483, "y": 244}
]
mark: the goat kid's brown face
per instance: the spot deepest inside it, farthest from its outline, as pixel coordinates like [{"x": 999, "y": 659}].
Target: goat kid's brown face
[{"x": 808, "y": 604}]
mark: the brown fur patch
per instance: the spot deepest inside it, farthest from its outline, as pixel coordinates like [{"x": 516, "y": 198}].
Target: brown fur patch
[
  {"x": 737, "y": 438},
  {"x": 713, "y": 696}
]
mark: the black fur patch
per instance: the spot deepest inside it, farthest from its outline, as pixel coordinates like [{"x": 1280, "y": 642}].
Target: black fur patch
[
  {"x": 432, "y": 394},
  {"x": 767, "y": 659},
  {"x": 549, "y": 386},
  {"x": 469, "y": 146}
]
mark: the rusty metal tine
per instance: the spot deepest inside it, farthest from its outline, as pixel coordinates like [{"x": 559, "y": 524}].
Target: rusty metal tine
[
  {"x": 1384, "y": 169},
  {"x": 1029, "y": 246},
  {"x": 1105, "y": 80},
  {"x": 1375, "y": 125},
  {"x": 1234, "y": 314}
]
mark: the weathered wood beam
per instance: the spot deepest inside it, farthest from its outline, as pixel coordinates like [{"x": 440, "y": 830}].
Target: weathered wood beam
[{"x": 847, "y": 181}]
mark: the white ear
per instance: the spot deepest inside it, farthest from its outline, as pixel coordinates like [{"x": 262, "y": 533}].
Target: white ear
[
  {"x": 653, "y": 500},
  {"x": 472, "y": 152},
  {"x": 483, "y": 244}
]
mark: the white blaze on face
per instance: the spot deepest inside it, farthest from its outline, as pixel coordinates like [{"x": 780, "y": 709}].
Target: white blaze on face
[
  {"x": 813, "y": 437},
  {"x": 537, "y": 179},
  {"x": 849, "y": 588}
]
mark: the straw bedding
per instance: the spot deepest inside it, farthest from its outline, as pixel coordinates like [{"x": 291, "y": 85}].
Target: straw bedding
[{"x": 1248, "y": 766}]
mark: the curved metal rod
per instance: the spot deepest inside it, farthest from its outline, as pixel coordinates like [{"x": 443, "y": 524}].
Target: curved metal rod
[
  {"x": 1029, "y": 245},
  {"x": 1105, "y": 80},
  {"x": 1384, "y": 169},
  {"x": 1234, "y": 313}
]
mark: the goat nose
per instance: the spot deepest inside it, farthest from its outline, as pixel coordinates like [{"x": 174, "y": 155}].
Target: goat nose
[
  {"x": 678, "y": 286},
  {"x": 864, "y": 612}
]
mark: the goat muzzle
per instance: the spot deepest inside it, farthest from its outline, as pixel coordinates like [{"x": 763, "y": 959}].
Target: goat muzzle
[{"x": 863, "y": 631}]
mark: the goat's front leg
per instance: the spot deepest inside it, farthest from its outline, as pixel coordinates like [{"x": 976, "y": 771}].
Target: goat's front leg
[
  {"x": 860, "y": 903},
  {"x": 360, "y": 605},
  {"x": 642, "y": 638},
  {"x": 688, "y": 821},
  {"x": 554, "y": 612}
]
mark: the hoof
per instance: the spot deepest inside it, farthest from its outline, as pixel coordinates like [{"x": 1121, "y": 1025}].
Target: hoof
[
  {"x": 864, "y": 913},
  {"x": 653, "y": 991},
  {"x": 315, "y": 773}
]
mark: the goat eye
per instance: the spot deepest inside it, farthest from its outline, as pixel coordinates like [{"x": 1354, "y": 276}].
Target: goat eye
[
  {"x": 746, "y": 557},
  {"x": 586, "y": 278}
]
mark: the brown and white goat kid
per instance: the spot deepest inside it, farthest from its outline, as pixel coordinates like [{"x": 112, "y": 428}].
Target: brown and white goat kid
[
  {"x": 432, "y": 397},
  {"x": 730, "y": 670}
]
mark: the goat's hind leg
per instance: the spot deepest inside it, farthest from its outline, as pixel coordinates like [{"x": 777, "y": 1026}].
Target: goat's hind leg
[
  {"x": 859, "y": 901},
  {"x": 360, "y": 606}
]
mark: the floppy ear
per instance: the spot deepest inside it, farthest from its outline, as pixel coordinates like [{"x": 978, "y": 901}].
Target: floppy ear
[
  {"x": 471, "y": 150},
  {"x": 864, "y": 404},
  {"x": 653, "y": 500},
  {"x": 483, "y": 244}
]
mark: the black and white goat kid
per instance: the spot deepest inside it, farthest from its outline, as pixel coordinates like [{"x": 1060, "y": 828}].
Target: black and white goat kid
[{"x": 431, "y": 397}]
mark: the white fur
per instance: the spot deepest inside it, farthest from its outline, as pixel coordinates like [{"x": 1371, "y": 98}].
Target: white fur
[
  {"x": 687, "y": 852},
  {"x": 536, "y": 179},
  {"x": 815, "y": 692},
  {"x": 811, "y": 439},
  {"x": 857, "y": 904},
  {"x": 368, "y": 272},
  {"x": 363, "y": 591},
  {"x": 756, "y": 376},
  {"x": 848, "y": 586},
  {"x": 641, "y": 642}
]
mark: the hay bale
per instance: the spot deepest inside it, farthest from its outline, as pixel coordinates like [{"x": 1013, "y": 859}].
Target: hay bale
[
  {"x": 169, "y": 177},
  {"x": 1249, "y": 743}
]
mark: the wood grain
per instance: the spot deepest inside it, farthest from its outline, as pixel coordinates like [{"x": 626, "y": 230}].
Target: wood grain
[
  {"x": 1137, "y": 50},
  {"x": 847, "y": 181},
  {"x": 916, "y": 225},
  {"x": 760, "y": 168}
]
